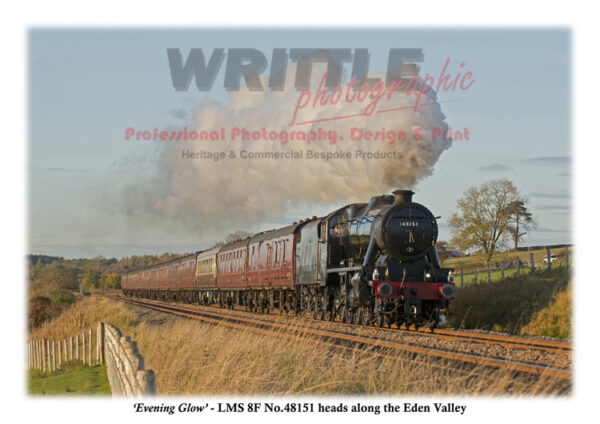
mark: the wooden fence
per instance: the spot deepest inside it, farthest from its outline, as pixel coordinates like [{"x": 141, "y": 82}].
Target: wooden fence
[
  {"x": 49, "y": 355},
  {"x": 499, "y": 270},
  {"x": 124, "y": 364}
]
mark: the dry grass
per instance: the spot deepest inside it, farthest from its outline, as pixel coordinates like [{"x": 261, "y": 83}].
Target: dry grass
[
  {"x": 84, "y": 315},
  {"x": 508, "y": 305},
  {"x": 555, "y": 319},
  {"x": 189, "y": 357},
  {"x": 194, "y": 358}
]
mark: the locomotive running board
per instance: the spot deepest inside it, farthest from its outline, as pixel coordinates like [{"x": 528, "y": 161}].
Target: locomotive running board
[{"x": 347, "y": 269}]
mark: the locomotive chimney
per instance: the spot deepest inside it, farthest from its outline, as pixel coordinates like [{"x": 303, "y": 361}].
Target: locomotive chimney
[{"x": 403, "y": 196}]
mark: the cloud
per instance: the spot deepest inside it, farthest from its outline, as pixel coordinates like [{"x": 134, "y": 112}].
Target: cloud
[
  {"x": 549, "y": 160},
  {"x": 551, "y": 230},
  {"x": 63, "y": 170},
  {"x": 551, "y": 195},
  {"x": 554, "y": 207},
  {"x": 494, "y": 167}
]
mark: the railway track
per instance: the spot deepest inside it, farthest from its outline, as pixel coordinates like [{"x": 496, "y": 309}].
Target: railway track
[
  {"x": 345, "y": 338},
  {"x": 509, "y": 342}
]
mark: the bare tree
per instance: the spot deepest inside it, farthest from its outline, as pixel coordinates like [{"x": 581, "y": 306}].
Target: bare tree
[
  {"x": 484, "y": 215},
  {"x": 235, "y": 236},
  {"x": 520, "y": 219}
]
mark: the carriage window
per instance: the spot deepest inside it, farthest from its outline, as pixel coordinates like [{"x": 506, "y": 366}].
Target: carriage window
[{"x": 283, "y": 254}]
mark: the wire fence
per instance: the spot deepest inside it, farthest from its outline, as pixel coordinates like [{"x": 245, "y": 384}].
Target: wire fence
[{"x": 500, "y": 270}]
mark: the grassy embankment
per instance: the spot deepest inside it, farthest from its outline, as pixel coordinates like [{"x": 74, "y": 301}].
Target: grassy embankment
[
  {"x": 534, "y": 303},
  {"x": 189, "y": 357}
]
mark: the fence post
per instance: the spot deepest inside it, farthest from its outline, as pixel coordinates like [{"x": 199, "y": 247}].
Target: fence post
[
  {"x": 65, "y": 345},
  {"x": 53, "y": 356},
  {"x": 48, "y": 355},
  {"x": 59, "y": 353},
  {"x": 101, "y": 330},
  {"x": 42, "y": 355},
  {"x": 98, "y": 344},
  {"x": 502, "y": 270},
  {"x": 531, "y": 259},
  {"x": 518, "y": 267},
  {"x": 90, "y": 348},
  {"x": 567, "y": 256},
  {"x": 71, "y": 348},
  {"x": 147, "y": 381},
  {"x": 475, "y": 274},
  {"x": 489, "y": 273},
  {"x": 461, "y": 278},
  {"x": 549, "y": 259}
]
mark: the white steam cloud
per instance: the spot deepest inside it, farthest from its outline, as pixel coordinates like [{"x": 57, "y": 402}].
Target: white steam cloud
[{"x": 202, "y": 195}]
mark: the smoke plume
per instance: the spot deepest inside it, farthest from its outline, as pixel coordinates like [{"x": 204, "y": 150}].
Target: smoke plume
[{"x": 190, "y": 196}]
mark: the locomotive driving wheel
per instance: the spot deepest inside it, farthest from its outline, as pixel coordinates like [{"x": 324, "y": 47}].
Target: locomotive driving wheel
[
  {"x": 339, "y": 307},
  {"x": 342, "y": 312},
  {"x": 363, "y": 316},
  {"x": 312, "y": 305},
  {"x": 351, "y": 316}
]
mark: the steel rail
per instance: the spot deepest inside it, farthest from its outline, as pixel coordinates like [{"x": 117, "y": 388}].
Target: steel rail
[
  {"x": 360, "y": 340},
  {"x": 509, "y": 342}
]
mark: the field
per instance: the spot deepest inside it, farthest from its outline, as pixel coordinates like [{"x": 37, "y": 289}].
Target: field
[
  {"x": 468, "y": 263},
  {"x": 189, "y": 357},
  {"x": 73, "y": 379}
]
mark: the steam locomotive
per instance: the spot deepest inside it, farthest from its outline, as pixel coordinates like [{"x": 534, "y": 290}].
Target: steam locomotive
[{"x": 366, "y": 263}]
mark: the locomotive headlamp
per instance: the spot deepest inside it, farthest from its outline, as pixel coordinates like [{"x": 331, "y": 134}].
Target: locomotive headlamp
[
  {"x": 450, "y": 276},
  {"x": 375, "y": 275},
  {"x": 427, "y": 275}
]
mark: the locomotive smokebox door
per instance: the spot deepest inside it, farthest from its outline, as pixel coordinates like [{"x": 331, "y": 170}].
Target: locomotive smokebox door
[{"x": 408, "y": 231}]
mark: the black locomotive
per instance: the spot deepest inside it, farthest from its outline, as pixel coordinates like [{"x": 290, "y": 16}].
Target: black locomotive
[{"x": 382, "y": 265}]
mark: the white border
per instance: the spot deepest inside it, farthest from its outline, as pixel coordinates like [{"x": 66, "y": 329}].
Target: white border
[{"x": 506, "y": 13}]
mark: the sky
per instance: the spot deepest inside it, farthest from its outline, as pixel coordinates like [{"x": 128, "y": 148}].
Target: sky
[{"x": 87, "y": 86}]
